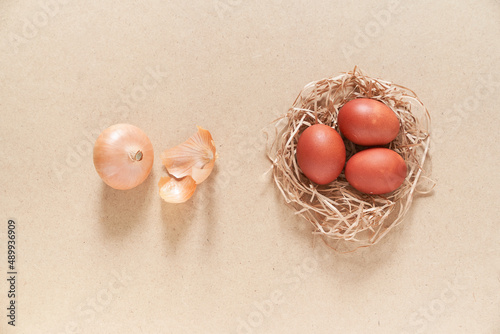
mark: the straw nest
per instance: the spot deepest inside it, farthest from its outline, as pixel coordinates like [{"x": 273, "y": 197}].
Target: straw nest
[{"x": 345, "y": 218}]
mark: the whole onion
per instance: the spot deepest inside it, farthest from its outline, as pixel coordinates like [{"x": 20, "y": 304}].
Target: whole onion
[{"x": 123, "y": 156}]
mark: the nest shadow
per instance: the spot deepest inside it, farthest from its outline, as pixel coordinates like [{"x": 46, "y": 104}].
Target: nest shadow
[{"x": 305, "y": 230}]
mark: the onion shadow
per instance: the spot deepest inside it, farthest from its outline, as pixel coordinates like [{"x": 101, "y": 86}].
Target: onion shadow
[
  {"x": 196, "y": 215},
  {"x": 122, "y": 210}
]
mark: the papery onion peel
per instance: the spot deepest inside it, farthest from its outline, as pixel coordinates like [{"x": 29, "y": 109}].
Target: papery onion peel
[{"x": 195, "y": 157}]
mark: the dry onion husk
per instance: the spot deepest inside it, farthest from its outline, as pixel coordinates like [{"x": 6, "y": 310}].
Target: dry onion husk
[
  {"x": 345, "y": 218},
  {"x": 173, "y": 190},
  {"x": 195, "y": 157},
  {"x": 187, "y": 164}
]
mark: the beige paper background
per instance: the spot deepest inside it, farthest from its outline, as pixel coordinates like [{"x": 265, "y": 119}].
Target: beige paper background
[{"x": 231, "y": 66}]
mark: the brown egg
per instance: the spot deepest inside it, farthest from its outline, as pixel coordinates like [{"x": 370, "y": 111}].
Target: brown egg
[
  {"x": 376, "y": 171},
  {"x": 368, "y": 122},
  {"x": 321, "y": 153}
]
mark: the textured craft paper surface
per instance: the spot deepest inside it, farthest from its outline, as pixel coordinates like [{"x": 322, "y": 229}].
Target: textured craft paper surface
[{"x": 234, "y": 259}]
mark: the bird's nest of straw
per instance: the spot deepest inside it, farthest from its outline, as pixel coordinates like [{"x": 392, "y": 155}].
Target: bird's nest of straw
[{"x": 346, "y": 218}]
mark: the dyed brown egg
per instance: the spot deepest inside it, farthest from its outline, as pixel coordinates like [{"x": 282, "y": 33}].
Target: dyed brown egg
[
  {"x": 321, "y": 153},
  {"x": 368, "y": 122},
  {"x": 376, "y": 171}
]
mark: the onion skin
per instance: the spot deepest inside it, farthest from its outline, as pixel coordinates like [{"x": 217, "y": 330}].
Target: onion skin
[
  {"x": 174, "y": 190},
  {"x": 195, "y": 157},
  {"x": 123, "y": 156}
]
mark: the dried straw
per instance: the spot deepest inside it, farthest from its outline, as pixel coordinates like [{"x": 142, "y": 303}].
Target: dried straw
[{"x": 346, "y": 218}]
